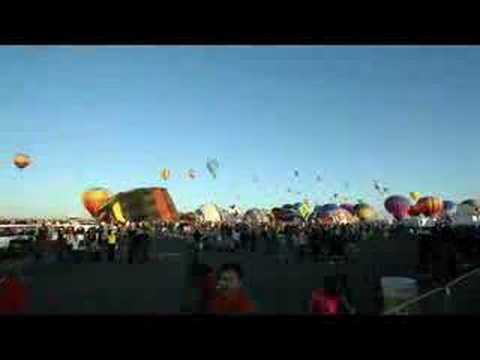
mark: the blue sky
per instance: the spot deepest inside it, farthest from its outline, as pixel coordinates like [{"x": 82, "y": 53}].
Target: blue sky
[{"x": 116, "y": 116}]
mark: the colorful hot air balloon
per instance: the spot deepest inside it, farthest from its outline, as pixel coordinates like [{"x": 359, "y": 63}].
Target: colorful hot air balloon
[
  {"x": 413, "y": 211},
  {"x": 349, "y": 207},
  {"x": 142, "y": 204},
  {"x": 94, "y": 199},
  {"x": 430, "y": 206},
  {"x": 165, "y": 174},
  {"x": 365, "y": 212},
  {"x": 415, "y": 195},
  {"x": 212, "y": 167},
  {"x": 449, "y": 207},
  {"x": 22, "y": 161},
  {"x": 398, "y": 206}
]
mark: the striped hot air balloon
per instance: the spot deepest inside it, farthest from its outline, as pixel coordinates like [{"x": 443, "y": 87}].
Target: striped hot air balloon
[
  {"x": 142, "y": 204},
  {"x": 430, "y": 206}
]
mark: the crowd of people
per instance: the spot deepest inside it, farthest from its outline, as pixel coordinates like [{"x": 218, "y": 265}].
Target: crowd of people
[{"x": 441, "y": 249}]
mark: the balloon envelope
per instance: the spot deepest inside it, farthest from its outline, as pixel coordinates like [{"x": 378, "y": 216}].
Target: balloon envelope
[
  {"x": 22, "y": 161},
  {"x": 430, "y": 206},
  {"x": 365, "y": 212},
  {"x": 349, "y": 207},
  {"x": 165, "y": 174},
  {"x": 449, "y": 207},
  {"x": 398, "y": 206},
  {"x": 94, "y": 199},
  {"x": 415, "y": 196}
]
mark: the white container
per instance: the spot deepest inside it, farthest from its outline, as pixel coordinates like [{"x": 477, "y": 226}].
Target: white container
[{"x": 397, "y": 290}]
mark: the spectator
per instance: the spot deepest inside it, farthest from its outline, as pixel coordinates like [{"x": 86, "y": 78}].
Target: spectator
[
  {"x": 112, "y": 244},
  {"x": 14, "y": 294},
  {"x": 329, "y": 300},
  {"x": 230, "y": 297}
]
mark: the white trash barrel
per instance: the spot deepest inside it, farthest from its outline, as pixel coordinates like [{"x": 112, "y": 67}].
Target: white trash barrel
[{"x": 397, "y": 290}]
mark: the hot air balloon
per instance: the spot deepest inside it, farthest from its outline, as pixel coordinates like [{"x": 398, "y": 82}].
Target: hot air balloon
[
  {"x": 94, "y": 199},
  {"x": 382, "y": 190},
  {"x": 209, "y": 213},
  {"x": 334, "y": 216},
  {"x": 398, "y": 206},
  {"x": 415, "y": 196},
  {"x": 327, "y": 209},
  {"x": 142, "y": 204},
  {"x": 165, "y": 174},
  {"x": 22, "y": 161},
  {"x": 349, "y": 207},
  {"x": 430, "y": 206},
  {"x": 192, "y": 174},
  {"x": 470, "y": 207},
  {"x": 413, "y": 211},
  {"x": 449, "y": 207},
  {"x": 365, "y": 212},
  {"x": 212, "y": 167},
  {"x": 319, "y": 179}
]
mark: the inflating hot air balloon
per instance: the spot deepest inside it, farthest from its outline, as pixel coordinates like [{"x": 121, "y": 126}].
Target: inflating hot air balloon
[
  {"x": 327, "y": 209},
  {"x": 398, "y": 206},
  {"x": 335, "y": 217},
  {"x": 413, "y": 211},
  {"x": 94, "y": 199},
  {"x": 212, "y": 167},
  {"x": 430, "y": 206},
  {"x": 22, "y": 161},
  {"x": 142, "y": 204},
  {"x": 365, "y": 212},
  {"x": 209, "y": 213},
  {"x": 449, "y": 207},
  {"x": 470, "y": 207},
  {"x": 165, "y": 174},
  {"x": 415, "y": 196},
  {"x": 284, "y": 214},
  {"x": 349, "y": 207}
]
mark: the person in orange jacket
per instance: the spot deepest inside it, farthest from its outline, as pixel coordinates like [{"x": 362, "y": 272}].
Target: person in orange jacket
[{"x": 230, "y": 296}]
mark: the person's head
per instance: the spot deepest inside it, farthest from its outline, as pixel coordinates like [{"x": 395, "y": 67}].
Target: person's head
[{"x": 229, "y": 278}]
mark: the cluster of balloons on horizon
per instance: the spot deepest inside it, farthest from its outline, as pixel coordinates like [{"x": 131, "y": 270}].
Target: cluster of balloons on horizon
[{"x": 400, "y": 207}]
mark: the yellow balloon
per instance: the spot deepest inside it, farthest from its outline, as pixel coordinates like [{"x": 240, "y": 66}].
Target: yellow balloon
[
  {"x": 165, "y": 175},
  {"x": 118, "y": 213},
  {"x": 415, "y": 195},
  {"x": 366, "y": 213}
]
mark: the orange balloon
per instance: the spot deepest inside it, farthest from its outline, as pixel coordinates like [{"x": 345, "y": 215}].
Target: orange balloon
[
  {"x": 94, "y": 199},
  {"x": 22, "y": 161},
  {"x": 430, "y": 206}
]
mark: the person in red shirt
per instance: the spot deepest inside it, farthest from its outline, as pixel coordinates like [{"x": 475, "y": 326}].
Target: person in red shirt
[
  {"x": 329, "y": 300},
  {"x": 14, "y": 294},
  {"x": 230, "y": 297}
]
